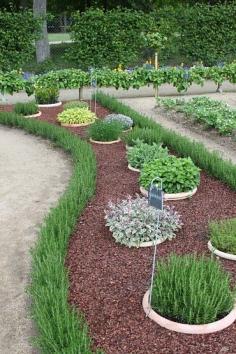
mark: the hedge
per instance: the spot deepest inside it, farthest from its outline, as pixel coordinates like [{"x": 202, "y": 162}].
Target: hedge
[
  {"x": 211, "y": 162},
  {"x": 60, "y": 328}
]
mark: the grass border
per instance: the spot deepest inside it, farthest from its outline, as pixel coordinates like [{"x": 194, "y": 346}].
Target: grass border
[
  {"x": 211, "y": 162},
  {"x": 60, "y": 328}
]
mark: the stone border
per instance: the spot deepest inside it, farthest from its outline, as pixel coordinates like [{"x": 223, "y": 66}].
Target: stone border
[
  {"x": 104, "y": 142},
  {"x": 34, "y": 115},
  {"x": 230, "y": 256},
  {"x": 133, "y": 168},
  {"x": 75, "y": 125},
  {"x": 57, "y": 104},
  {"x": 186, "y": 328},
  {"x": 172, "y": 196}
]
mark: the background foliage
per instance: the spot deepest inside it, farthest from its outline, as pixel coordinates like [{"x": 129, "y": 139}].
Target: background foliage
[{"x": 18, "y": 30}]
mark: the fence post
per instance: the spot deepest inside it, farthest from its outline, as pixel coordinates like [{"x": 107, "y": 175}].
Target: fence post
[{"x": 81, "y": 93}]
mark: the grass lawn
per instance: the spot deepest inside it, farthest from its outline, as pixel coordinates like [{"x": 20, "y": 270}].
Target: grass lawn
[{"x": 58, "y": 37}]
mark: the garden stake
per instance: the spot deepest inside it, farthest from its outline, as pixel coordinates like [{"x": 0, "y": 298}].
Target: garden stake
[{"x": 155, "y": 199}]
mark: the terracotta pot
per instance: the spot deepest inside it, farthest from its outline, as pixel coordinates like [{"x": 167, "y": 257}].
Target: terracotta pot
[
  {"x": 75, "y": 125},
  {"x": 57, "y": 104},
  {"x": 133, "y": 168},
  {"x": 230, "y": 256},
  {"x": 104, "y": 142},
  {"x": 172, "y": 196},
  {"x": 187, "y": 328},
  {"x": 34, "y": 115}
]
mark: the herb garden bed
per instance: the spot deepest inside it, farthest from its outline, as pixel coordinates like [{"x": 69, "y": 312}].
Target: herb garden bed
[{"x": 108, "y": 280}]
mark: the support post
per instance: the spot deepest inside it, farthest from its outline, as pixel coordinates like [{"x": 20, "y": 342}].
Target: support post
[{"x": 156, "y": 67}]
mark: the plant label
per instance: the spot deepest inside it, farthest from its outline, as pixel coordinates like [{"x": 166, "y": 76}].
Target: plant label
[{"x": 155, "y": 197}]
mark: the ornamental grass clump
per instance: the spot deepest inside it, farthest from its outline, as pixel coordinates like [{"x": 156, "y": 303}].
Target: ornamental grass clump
[
  {"x": 105, "y": 131},
  {"x": 26, "y": 109},
  {"x": 177, "y": 174},
  {"x": 146, "y": 135},
  {"x": 75, "y": 104},
  {"x": 125, "y": 121},
  {"x": 191, "y": 289},
  {"x": 77, "y": 116},
  {"x": 133, "y": 221},
  {"x": 142, "y": 153},
  {"x": 223, "y": 235}
]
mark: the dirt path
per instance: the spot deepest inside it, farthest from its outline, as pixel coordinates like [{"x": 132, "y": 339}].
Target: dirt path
[
  {"x": 32, "y": 177},
  {"x": 146, "y": 106}
]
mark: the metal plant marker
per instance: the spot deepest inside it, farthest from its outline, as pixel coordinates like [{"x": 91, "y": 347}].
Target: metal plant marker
[
  {"x": 93, "y": 83},
  {"x": 155, "y": 199}
]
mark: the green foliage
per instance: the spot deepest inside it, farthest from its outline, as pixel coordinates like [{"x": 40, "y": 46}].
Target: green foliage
[
  {"x": 142, "y": 153},
  {"x": 17, "y": 34},
  {"x": 155, "y": 40},
  {"x": 26, "y": 109},
  {"x": 208, "y": 32},
  {"x": 192, "y": 290},
  {"x": 105, "y": 131},
  {"x": 12, "y": 81},
  {"x": 75, "y": 104},
  {"x": 133, "y": 221},
  {"x": 145, "y": 135},
  {"x": 46, "y": 95},
  {"x": 59, "y": 327},
  {"x": 177, "y": 174},
  {"x": 76, "y": 116},
  {"x": 223, "y": 235},
  {"x": 108, "y": 38},
  {"x": 211, "y": 113},
  {"x": 211, "y": 162}
]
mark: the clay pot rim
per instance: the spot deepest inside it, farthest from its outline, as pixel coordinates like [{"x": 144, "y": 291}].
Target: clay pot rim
[{"x": 230, "y": 256}]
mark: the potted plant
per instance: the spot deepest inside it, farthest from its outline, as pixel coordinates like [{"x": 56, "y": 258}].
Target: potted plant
[
  {"x": 47, "y": 96},
  {"x": 180, "y": 177},
  {"x": 142, "y": 153},
  {"x": 223, "y": 238},
  {"x": 75, "y": 104},
  {"x": 134, "y": 223},
  {"x": 191, "y": 294},
  {"x": 125, "y": 121},
  {"x": 102, "y": 132},
  {"x": 28, "y": 110},
  {"x": 146, "y": 135},
  {"x": 76, "y": 117}
]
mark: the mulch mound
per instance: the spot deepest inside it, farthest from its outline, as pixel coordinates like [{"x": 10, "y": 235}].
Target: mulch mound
[{"x": 108, "y": 280}]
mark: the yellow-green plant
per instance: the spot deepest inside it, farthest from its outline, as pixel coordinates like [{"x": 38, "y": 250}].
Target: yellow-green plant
[{"x": 77, "y": 116}]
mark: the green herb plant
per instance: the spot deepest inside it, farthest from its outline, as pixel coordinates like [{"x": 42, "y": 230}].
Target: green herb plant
[
  {"x": 75, "y": 104},
  {"x": 46, "y": 95},
  {"x": 77, "y": 116},
  {"x": 192, "y": 290},
  {"x": 223, "y": 235},
  {"x": 26, "y": 109},
  {"x": 105, "y": 131}
]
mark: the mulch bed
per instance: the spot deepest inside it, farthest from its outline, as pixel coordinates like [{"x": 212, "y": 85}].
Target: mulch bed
[{"x": 108, "y": 280}]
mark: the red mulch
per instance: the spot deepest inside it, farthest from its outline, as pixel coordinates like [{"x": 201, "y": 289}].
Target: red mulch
[{"x": 108, "y": 280}]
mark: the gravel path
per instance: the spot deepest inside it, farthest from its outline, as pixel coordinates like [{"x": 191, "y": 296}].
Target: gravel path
[
  {"x": 146, "y": 106},
  {"x": 32, "y": 177}
]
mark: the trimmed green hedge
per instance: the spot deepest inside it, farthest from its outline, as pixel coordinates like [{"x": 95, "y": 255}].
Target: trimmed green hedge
[
  {"x": 60, "y": 328},
  {"x": 211, "y": 162}
]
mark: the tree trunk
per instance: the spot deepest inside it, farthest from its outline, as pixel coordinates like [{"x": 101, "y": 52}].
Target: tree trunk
[{"x": 42, "y": 45}]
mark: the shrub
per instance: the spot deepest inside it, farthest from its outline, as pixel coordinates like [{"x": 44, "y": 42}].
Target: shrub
[
  {"x": 105, "y": 131},
  {"x": 46, "y": 95},
  {"x": 126, "y": 122},
  {"x": 177, "y": 174},
  {"x": 223, "y": 235},
  {"x": 26, "y": 109},
  {"x": 133, "y": 221},
  {"x": 143, "y": 153},
  {"x": 107, "y": 39},
  {"x": 75, "y": 104},
  {"x": 17, "y": 35},
  {"x": 191, "y": 289},
  {"x": 76, "y": 116},
  {"x": 146, "y": 135}
]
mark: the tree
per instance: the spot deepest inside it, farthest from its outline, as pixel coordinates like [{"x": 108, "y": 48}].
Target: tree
[{"x": 42, "y": 45}]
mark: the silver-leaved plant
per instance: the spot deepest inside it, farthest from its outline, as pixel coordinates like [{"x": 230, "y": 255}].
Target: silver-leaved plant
[{"x": 132, "y": 221}]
